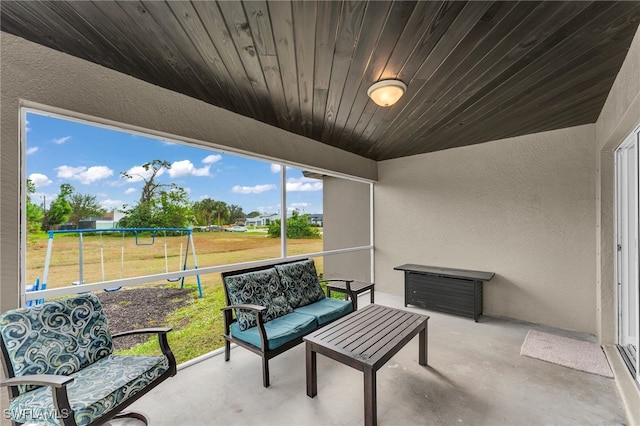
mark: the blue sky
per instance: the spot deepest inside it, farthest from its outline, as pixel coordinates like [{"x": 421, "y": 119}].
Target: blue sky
[{"x": 90, "y": 158}]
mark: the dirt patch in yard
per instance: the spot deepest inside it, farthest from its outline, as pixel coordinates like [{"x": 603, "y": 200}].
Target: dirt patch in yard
[{"x": 143, "y": 307}]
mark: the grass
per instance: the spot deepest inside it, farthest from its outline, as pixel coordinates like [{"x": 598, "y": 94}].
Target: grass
[
  {"x": 122, "y": 258},
  {"x": 198, "y": 326}
]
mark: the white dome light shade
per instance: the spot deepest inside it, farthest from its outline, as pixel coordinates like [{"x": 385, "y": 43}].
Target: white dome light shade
[{"x": 386, "y": 92}]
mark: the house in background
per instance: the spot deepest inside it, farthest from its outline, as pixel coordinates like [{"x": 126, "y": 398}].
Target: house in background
[
  {"x": 108, "y": 221},
  {"x": 262, "y": 220},
  {"x": 518, "y": 121},
  {"x": 315, "y": 219}
]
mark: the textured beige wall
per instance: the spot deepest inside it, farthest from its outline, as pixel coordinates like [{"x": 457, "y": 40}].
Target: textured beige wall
[
  {"x": 34, "y": 74},
  {"x": 619, "y": 117},
  {"x": 347, "y": 224},
  {"x": 523, "y": 208}
]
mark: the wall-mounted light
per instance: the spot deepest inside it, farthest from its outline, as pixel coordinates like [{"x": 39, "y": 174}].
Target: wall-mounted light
[{"x": 386, "y": 92}]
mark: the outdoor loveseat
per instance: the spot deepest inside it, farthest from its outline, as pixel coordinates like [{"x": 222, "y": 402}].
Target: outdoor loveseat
[
  {"x": 271, "y": 308},
  {"x": 60, "y": 367}
]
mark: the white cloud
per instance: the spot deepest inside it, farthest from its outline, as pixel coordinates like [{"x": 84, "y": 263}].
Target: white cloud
[
  {"x": 130, "y": 191},
  {"x": 41, "y": 197},
  {"x": 304, "y": 184},
  {"x": 32, "y": 150},
  {"x": 268, "y": 209},
  {"x": 26, "y": 125},
  {"x": 299, "y": 205},
  {"x": 138, "y": 173},
  {"x": 110, "y": 204},
  {"x": 275, "y": 168},
  {"x": 61, "y": 140},
  {"x": 186, "y": 168},
  {"x": 84, "y": 175},
  {"x": 213, "y": 158},
  {"x": 257, "y": 189},
  {"x": 39, "y": 180}
]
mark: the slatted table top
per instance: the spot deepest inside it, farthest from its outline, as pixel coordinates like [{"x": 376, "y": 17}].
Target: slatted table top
[{"x": 369, "y": 337}]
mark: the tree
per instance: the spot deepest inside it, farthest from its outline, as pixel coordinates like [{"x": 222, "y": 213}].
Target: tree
[
  {"x": 254, "y": 214},
  {"x": 161, "y": 205},
  {"x": 138, "y": 216},
  {"x": 236, "y": 213},
  {"x": 221, "y": 211},
  {"x": 84, "y": 206},
  {"x": 151, "y": 186},
  {"x": 298, "y": 226},
  {"x": 60, "y": 209},
  {"x": 174, "y": 209},
  {"x": 204, "y": 211},
  {"x": 35, "y": 213}
]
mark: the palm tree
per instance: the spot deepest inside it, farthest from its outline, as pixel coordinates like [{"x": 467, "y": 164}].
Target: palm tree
[
  {"x": 221, "y": 210},
  {"x": 205, "y": 209}
]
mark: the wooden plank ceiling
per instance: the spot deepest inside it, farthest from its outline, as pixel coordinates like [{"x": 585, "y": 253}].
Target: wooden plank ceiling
[{"x": 476, "y": 71}]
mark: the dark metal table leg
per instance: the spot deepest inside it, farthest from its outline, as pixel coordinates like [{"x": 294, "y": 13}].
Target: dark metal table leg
[
  {"x": 370, "y": 398},
  {"x": 424, "y": 346},
  {"x": 312, "y": 372}
]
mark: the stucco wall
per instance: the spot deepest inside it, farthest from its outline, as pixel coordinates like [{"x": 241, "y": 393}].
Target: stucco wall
[
  {"x": 619, "y": 117},
  {"x": 347, "y": 224},
  {"x": 523, "y": 208},
  {"x": 33, "y": 74}
]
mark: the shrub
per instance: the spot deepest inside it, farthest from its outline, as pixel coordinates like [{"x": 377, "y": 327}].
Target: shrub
[{"x": 298, "y": 226}]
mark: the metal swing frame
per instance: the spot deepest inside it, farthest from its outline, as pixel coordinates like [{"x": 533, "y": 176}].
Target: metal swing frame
[{"x": 135, "y": 231}]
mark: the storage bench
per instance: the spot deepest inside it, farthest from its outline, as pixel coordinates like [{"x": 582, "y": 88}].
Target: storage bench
[{"x": 454, "y": 291}]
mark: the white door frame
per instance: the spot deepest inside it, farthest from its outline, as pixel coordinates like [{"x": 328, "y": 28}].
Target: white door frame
[{"x": 627, "y": 165}]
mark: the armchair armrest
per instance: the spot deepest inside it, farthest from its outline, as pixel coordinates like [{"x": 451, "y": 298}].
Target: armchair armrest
[
  {"x": 155, "y": 330},
  {"x": 228, "y": 313},
  {"x": 53, "y": 380},
  {"x": 58, "y": 384},
  {"x": 162, "y": 339},
  {"x": 255, "y": 308},
  {"x": 347, "y": 286}
]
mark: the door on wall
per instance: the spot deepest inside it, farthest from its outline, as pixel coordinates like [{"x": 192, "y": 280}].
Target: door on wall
[{"x": 628, "y": 292}]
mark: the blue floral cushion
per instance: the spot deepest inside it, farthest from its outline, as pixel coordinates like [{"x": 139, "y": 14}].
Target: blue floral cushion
[
  {"x": 58, "y": 337},
  {"x": 301, "y": 283},
  {"x": 259, "y": 288},
  {"x": 95, "y": 389}
]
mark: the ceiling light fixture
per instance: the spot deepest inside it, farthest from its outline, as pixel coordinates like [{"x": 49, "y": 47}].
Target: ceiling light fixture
[{"x": 386, "y": 92}]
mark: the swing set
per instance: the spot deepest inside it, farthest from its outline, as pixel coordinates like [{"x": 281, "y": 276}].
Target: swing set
[{"x": 142, "y": 237}]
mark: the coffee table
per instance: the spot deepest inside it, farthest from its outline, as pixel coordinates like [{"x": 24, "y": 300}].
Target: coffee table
[{"x": 365, "y": 340}]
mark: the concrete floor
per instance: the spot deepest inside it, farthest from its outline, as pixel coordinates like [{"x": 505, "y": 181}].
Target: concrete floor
[{"x": 476, "y": 376}]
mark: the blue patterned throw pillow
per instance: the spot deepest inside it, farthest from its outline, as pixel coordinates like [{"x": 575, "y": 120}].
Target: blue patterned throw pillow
[
  {"x": 301, "y": 283},
  {"x": 258, "y": 288}
]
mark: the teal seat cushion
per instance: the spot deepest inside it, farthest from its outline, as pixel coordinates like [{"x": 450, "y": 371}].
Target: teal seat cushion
[
  {"x": 262, "y": 288},
  {"x": 279, "y": 331},
  {"x": 300, "y": 282},
  {"x": 96, "y": 389},
  {"x": 326, "y": 310}
]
